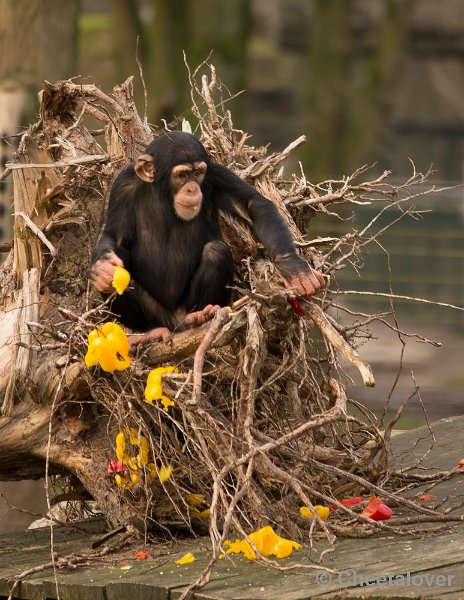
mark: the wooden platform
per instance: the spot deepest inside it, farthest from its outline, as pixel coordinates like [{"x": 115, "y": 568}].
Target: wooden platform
[{"x": 382, "y": 567}]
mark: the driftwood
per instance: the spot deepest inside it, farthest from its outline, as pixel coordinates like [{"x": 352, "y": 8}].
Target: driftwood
[{"x": 261, "y": 423}]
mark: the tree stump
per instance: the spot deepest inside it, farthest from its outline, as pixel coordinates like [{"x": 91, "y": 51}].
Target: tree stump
[{"x": 260, "y": 424}]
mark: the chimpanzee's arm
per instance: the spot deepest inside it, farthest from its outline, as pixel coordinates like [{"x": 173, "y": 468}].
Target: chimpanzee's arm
[
  {"x": 137, "y": 307},
  {"x": 271, "y": 230},
  {"x": 268, "y": 224},
  {"x": 118, "y": 224},
  {"x": 117, "y": 233}
]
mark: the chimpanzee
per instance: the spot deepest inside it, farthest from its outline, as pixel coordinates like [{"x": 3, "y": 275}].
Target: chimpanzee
[{"x": 162, "y": 225}]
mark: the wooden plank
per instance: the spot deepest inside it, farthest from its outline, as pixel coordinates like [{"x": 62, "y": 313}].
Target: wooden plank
[{"x": 405, "y": 574}]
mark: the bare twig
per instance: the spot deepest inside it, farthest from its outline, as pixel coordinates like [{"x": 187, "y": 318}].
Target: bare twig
[
  {"x": 398, "y": 297},
  {"x": 220, "y": 318}
]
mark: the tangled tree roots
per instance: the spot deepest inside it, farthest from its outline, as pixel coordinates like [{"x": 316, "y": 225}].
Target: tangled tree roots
[{"x": 261, "y": 423}]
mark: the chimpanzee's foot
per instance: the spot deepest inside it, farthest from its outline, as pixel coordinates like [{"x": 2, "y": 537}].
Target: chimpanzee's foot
[
  {"x": 199, "y": 317},
  {"x": 148, "y": 337}
]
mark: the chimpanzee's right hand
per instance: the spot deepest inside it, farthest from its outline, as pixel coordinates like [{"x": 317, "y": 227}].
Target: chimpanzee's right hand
[{"x": 102, "y": 272}]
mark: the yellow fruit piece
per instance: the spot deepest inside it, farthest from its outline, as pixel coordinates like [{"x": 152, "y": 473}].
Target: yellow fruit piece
[
  {"x": 90, "y": 359},
  {"x": 122, "y": 482},
  {"x": 322, "y": 511},
  {"x": 132, "y": 436},
  {"x": 241, "y": 547},
  {"x": 151, "y": 471},
  {"x": 195, "y": 499},
  {"x": 233, "y": 547},
  {"x": 284, "y": 548},
  {"x": 266, "y": 541},
  {"x": 167, "y": 402},
  {"x": 115, "y": 328},
  {"x": 121, "y": 279},
  {"x": 248, "y": 551},
  {"x": 186, "y": 559},
  {"x": 134, "y": 477},
  {"x": 106, "y": 354},
  {"x": 165, "y": 473},
  {"x": 120, "y": 446},
  {"x": 131, "y": 462},
  {"x": 154, "y": 386},
  {"x": 119, "y": 345},
  {"x": 108, "y": 347},
  {"x": 137, "y": 439},
  {"x": 155, "y": 375},
  {"x": 153, "y": 392}
]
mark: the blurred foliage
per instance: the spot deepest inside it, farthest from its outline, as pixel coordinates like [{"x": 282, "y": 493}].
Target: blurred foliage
[{"x": 366, "y": 80}]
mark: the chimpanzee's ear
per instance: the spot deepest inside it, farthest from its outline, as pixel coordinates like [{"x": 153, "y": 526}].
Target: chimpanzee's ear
[{"x": 145, "y": 168}]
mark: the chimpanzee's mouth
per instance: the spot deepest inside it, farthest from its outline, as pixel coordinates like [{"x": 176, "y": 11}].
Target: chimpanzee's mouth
[{"x": 188, "y": 206}]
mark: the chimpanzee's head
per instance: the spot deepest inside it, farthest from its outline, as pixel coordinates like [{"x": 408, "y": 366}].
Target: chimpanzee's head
[{"x": 176, "y": 162}]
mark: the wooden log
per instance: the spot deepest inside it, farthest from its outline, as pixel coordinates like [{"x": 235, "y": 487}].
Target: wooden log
[{"x": 184, "y": 344}]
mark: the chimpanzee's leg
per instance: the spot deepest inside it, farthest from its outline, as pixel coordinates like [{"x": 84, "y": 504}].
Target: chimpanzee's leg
[
  {"x": 128, "y": 312},
  {"x": 137, "y": 309},
  {"x": 209, "y": 285}
]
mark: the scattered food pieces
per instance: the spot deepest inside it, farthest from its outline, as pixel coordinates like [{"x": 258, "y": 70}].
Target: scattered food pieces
[
  {"x": 377, "y": 510},
  {"x": 266, "y": 541},
  {"x": 427, "y": 497},
  {"x": 154, "y": 387},
  {"x": 165, "y": 473}
]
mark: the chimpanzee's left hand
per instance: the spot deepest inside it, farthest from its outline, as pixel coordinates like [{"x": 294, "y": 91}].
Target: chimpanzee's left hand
[
  {"x": 299, "y": 276},
  {"x": 307, "y": 284}
]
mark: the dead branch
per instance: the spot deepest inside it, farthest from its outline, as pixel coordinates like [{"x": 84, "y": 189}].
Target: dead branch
[
  {"x": 220, "y": 318},
  {"x": 81, "y": 160},
  {"x": 334, "y": 338}
]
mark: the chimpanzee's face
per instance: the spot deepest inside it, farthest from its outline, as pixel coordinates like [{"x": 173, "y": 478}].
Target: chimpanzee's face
[{"x": 185, "y": 182}]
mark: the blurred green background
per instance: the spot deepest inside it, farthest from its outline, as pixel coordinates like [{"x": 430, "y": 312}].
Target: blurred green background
[{"x": 368, "y": 81}]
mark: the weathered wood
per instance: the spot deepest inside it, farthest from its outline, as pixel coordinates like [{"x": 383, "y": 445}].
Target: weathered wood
[
  {"x": 22, "y": 434},
  {"x": 30, "y": 186}
]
